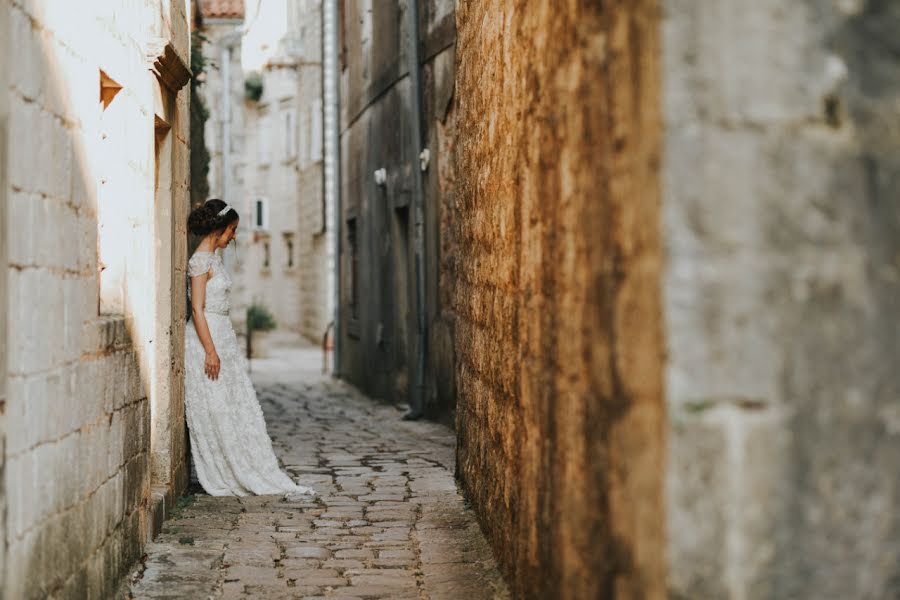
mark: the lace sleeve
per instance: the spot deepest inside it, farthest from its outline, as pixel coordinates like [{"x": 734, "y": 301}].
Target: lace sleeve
[{"x": 199, "y": 264}]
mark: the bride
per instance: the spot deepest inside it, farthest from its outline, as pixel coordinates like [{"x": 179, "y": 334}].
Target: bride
[{"x": 230, "y": 446}]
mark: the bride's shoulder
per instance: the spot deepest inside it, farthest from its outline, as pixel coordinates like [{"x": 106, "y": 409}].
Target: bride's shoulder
[{"x": 201, "y": 262}]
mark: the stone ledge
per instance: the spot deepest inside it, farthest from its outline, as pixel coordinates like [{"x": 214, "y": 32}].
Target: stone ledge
[
  {"x": 156, "y": 511},
  {"x": 106, "y": 334}
]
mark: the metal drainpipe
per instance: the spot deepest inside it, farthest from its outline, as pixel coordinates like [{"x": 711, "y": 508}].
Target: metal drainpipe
[
  {"x": 412, "y": 53},
  {"x": 331, "y": 171}
]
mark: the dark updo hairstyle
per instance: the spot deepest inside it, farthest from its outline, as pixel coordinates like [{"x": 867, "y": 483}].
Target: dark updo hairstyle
[{"x": 205, "y": 219}]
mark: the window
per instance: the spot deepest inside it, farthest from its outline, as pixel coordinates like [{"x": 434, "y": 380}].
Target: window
[
  {"x": 289, "y": 248},
  {"x": 290, "y": 135},
  {"x": 266, "y": 256},
  {"x": 261, "y": 214},
  {"x": 315, "y": 142},
  {"x": 264, "y": 154}
]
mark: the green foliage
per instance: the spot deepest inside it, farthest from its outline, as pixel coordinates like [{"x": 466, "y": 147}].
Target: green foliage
[
  {"x": 199, "y": 115},
  {"x": 189, "y": 541},
  {"x": 198, "y": 61},
  {"x": 186, "y": 501},
  {"x": 253, "y": 86},
  {"x": 259, "y": 318}
]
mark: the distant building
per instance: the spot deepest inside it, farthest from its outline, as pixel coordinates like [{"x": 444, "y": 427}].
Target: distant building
[
  {"x": 284, "y": 263},
  {"x": 223, "y": 22},
  {"x": 379, "y": 318}
]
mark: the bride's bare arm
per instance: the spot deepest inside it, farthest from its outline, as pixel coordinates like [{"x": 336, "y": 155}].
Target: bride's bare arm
[{"x": 198, "y": 300}]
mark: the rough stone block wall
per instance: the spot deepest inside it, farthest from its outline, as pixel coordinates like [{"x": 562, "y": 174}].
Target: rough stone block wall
[
  {"x": 782, "y": 285},
  {"x": 4, "y": 273},
  {"x": 375, "y": 106},
  {"x": 438, "y": 82},
  {"x": 558, "y": 337},
  {"x": 311, "y": 256},
  {"x": 378, "y": 350},
  {"x": 77, "y": 456},
  {"x": 311, "y": 252}
]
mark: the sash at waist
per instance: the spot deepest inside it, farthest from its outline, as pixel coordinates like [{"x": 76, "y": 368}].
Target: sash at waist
[{"x": 214, "y": 311}]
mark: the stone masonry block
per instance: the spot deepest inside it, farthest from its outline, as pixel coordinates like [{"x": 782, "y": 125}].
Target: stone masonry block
[
  {"x": 22, "y": 392},
  {"x": 697, "y": 523},
  {"x": 29, "y": 75},
  {"x": 73, "y": 317},
  {"x": 135, "y": 481},
  {"x": 87, "y": 392},
  {"x": 50, "y": 466},
  {"x": 24, "y": 567},
  {"x": 115, "y": 444},
  {"x": 62, "y": 545},
  {"x": 20, "y": 505},
  {"x": 39, "y": 140},
  {"x": 70, "y": 456},
  {"x": 33, "y": 344},
  {"x": 23, "y": 210}
]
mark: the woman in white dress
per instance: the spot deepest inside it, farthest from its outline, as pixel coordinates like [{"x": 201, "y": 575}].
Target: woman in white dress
[{"x": 230, "y": 446}]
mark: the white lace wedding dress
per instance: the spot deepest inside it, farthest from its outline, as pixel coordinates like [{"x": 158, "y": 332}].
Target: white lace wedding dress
[{"x": 230, "y": 446}]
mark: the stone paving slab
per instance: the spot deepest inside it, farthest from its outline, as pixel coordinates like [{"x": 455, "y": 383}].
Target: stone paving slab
[{"x": 388, "y": 521}]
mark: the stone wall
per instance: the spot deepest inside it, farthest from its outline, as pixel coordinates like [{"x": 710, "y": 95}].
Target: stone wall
[
  {"x": 310, "y": 250},
  {"x": 558, "y": 336},
  {"x": 94, "y": 414},
  {"x": 782, "y": 285},
  {"x": 4, "y": 272},
  {"x": 379, "y": 334},
  {"x": 438, "y": 32}
]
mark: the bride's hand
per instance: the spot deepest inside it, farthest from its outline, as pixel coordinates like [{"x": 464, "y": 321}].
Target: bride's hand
[{"x": 212, "y": 365}]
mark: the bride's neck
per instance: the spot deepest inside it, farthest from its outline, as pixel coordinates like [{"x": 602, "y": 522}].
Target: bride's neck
[{"x": 207, "y": 245}]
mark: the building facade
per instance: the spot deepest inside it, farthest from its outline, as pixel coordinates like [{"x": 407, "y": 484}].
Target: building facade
[
  {"x": 284, "y": 266},
  {"x": 379, "y": 315},
  {"x": 223, "y": 135},
  {"x": 94, "y": 195}
]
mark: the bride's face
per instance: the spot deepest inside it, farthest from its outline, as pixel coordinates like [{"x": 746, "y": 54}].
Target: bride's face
[{"x": 227, "y": 235}]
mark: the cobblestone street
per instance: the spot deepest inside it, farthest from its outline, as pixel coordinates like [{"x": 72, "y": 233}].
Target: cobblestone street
[{"x": 388, "y": 522}]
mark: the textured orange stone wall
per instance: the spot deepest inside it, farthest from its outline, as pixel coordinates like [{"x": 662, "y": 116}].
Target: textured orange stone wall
[{"x": 559, "y": 340}]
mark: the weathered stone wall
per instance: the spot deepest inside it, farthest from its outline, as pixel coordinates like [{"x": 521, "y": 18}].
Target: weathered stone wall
[
  {"x": 558, "y": 337},
  {"x": 311, "y": 257},
  {"x": 87, "y": 392},
  {"x": 782, "y": 285},
  {"x": 438, "y": 33},
  {"x": 4, "y": 270},
  {"x": 378, "y": 351}
]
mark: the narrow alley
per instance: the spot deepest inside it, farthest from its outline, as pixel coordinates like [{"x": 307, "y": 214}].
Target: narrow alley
[
  {"x": 546, "y": 300},
  {"x": 388, "y": 523}
]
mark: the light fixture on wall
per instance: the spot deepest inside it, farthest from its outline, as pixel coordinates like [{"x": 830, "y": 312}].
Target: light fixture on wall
[{"x": 381, "y": 176}]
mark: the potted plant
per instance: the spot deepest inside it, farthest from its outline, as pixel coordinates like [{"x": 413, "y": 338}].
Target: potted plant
[
  {"x": 258, "y": 319},
  {"x": 253, "y": 86}
]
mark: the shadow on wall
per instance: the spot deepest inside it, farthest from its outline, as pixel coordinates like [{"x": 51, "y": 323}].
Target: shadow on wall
[{"x": 86, "y": 302}]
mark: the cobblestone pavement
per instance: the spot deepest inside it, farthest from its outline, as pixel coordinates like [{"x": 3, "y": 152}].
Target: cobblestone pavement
[{"x": 388, "y": 522}]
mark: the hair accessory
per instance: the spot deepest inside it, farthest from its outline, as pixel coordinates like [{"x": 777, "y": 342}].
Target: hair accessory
[{"x": 225, "y": 210}]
